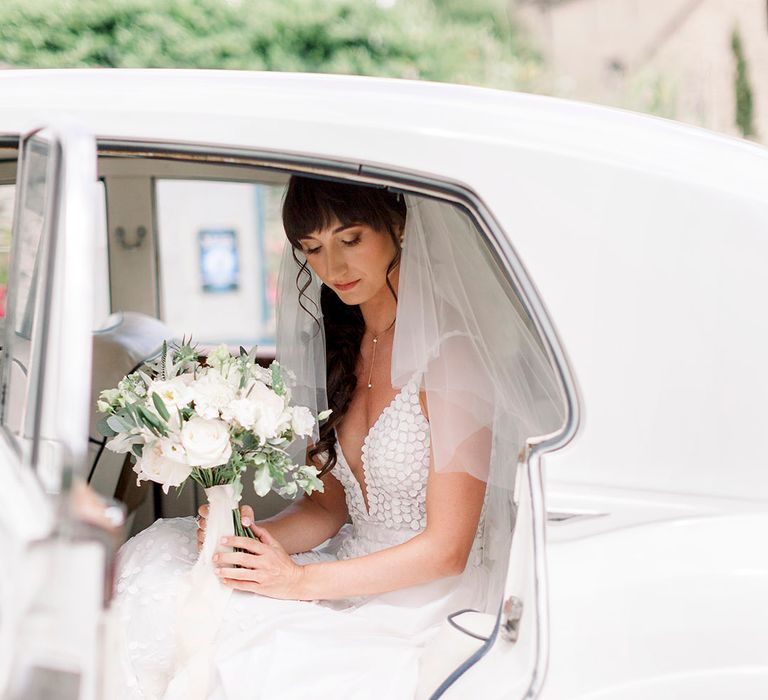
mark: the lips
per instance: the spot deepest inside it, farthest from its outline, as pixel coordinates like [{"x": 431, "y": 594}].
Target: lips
[{"x": 346, "y": 287}]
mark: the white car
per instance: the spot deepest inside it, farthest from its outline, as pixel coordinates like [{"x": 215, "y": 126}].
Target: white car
[{"x": 638, "y": 566}]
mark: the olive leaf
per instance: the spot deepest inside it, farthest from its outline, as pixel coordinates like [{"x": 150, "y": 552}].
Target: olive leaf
[{"x": 160, "y": 406}]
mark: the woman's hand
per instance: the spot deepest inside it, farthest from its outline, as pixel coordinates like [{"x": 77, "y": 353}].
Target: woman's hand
[
  {"x": 246, "y": 518},
  {"x": 265, "y": 567}
]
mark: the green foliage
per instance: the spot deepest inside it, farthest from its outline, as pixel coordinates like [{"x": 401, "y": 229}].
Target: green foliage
[
  {"x": 742, "y": 89},
  {"x": 443, "y": 40}
]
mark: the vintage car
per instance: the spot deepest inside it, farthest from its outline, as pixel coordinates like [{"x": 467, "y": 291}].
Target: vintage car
[{"x": 147, "y": 205}]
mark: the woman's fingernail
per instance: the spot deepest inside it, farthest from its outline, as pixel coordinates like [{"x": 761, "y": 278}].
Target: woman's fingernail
[
  {"x": 246, "y": 521},
  {"x": 218, "y": 572},
  {"x": 215, "y": 557},
  {"x": 223, "y": 540}
]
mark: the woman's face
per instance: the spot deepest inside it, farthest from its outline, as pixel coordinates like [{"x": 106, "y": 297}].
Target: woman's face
[{"x": 352, "y": 260}]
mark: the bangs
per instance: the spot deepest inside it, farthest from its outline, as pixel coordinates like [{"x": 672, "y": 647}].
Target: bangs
[{"x": 311, "y": 205}]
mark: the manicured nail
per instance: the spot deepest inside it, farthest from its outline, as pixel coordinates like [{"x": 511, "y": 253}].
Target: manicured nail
[
  {"x": 246, "y": 521},
  {"x": 223, "y": 540},
  {"x": 215, "y": 557},
  {"x": 218, "y": 572}
]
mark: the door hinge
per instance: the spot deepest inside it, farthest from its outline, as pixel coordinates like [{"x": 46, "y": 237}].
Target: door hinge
[{"x": 511, "y": 614}]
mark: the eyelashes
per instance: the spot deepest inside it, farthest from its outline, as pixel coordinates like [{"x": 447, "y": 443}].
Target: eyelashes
[{"x": 349, "y": 244}]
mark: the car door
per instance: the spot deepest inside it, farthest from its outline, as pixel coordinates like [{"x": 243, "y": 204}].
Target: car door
[{"x": 52, "y": 577}]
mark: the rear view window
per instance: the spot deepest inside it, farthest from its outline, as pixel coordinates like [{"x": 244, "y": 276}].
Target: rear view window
[{"x": 219, "y": 246}]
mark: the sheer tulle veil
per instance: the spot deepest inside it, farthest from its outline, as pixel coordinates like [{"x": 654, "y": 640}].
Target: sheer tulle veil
[{"x": 462, "y": 330}]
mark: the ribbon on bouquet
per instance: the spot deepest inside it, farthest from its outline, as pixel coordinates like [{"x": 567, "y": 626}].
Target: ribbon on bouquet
[{"x": 201, "y": 605}]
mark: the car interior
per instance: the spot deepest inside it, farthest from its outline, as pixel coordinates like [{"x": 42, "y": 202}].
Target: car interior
[{"x": 174, "y": 227}]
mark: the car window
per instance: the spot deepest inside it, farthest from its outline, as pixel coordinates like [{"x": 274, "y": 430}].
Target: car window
[
  {"x": 219, "y": 247},
  {"x": 6, "y": 222},
  {"x": 27, "y": 280},
  {"x": 101, "y": 298}
]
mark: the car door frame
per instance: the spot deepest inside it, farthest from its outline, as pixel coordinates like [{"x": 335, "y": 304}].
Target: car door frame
[
  {"x": 41, "y": 461},
  {"x": 529, "y": 489}
]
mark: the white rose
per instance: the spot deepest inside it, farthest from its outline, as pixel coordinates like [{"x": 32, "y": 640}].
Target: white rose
[
  {"x": 154, "y": 465},
  {"x": 206, "y": 442},
  {"x": 270, "y": 411},
  {"x": 244, "y": 411},
  {"x": 302, "y": 421},
  {"x": 212, "y": 393},
  {"x": 175, "y": 393}
]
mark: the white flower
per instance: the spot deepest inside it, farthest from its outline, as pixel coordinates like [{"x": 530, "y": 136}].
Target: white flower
[
  {"x": 302, "y": 421},
  {"x": 219, "y": 357},
  {"x": 122, "y": 442},
  {"x": 206, "y": 442},
  {"x": 173, "y": 449},
  {"x": 271, "y": 408},
  {"x": 244, "y": 411},
  {"x": 108, "y": 398},
  {"x": 232, "y": 374},
  {"x": 155, "y": 465},
  {"x": 261, "y": 374},
  {"x": 175, "y": 393},
  {"x": 212, "y": 393}
]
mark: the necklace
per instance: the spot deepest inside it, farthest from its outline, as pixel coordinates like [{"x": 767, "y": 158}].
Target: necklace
[{"x": 373, "y": 356}]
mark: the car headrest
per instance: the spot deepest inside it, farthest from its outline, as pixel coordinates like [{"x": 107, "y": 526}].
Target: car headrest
[{"x": 125, "y": 340}]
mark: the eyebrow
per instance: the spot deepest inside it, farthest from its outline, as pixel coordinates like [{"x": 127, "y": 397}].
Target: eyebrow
[{"x": 338, "y": 229}]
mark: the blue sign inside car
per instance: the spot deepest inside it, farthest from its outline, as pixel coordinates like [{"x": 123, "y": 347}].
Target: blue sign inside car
[{"x": 219, "y": 261}]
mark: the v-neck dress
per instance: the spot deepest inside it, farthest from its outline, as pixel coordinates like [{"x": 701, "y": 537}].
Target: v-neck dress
[{"x": 366, "y": 647}]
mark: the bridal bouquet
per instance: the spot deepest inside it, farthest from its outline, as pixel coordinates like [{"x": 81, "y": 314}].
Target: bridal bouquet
[{"x": 209, "y": 418}]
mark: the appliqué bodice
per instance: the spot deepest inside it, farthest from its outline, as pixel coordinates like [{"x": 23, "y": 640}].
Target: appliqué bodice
[{"x": 395, "y": 467}]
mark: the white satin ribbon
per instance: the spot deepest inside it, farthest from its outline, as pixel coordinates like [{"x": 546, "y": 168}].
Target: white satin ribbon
[{"x": 202, "y": 605}]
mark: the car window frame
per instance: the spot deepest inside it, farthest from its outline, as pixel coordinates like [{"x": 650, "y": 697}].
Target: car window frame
[
  {"x": 502, "y": 250},
  {"x": 33, "y": 391}
]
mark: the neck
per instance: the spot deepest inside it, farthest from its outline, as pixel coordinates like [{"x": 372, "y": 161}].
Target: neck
[{"x": 379, "y": 311}]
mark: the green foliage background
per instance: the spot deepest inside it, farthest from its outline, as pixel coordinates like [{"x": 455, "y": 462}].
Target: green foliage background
[
  {"x": 464, "y": 41},
  {"x": 742, "y": 89}
]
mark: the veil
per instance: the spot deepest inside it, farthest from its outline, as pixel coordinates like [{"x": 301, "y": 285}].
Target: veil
[{"x": 462, "y": 330}]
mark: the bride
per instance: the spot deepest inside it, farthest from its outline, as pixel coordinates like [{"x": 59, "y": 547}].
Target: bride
[{"x": 383, "y": 316}]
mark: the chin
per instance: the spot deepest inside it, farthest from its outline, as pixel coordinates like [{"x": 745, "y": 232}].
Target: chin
[{"x": 352, "y": 297}]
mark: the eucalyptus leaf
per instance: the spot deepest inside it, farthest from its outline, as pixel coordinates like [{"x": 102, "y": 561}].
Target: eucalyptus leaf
[
  {"x": 118, "y": 424},
  {"x": 104, "y": 429},
  {"x": 151, "y": 421},
  {"x": 160, "y": 406}
]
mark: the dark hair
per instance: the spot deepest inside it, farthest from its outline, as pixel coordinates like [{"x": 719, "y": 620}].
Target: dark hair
[{"x": 312, "y": 204}]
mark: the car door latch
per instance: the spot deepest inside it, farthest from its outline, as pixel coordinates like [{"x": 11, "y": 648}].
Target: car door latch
[{"x": 511, "y": 614}]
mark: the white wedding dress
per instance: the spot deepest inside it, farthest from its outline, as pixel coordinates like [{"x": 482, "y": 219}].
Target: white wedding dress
[{"x": 364, "y": 648}]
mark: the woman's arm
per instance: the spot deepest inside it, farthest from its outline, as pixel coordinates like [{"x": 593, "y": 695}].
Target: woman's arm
[
  {"x": 310, "y": 520},
  {"x": 454, "y": 501}
]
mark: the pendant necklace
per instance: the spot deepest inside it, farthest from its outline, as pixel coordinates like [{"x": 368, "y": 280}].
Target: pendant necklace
[{"x": 373, "y": 356}]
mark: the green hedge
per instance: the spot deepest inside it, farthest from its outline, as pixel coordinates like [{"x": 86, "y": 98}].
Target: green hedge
[{"x": 445, "y": 40}]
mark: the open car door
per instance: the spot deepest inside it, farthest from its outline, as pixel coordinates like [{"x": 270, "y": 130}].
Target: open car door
[{"x": 52, "y": 578}]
